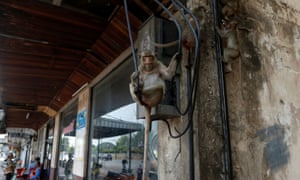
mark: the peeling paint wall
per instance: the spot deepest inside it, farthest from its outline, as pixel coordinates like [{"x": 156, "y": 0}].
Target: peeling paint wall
[
  {"x": 262, "y": 90},
  {"x": 173, "y": 155},
  {"x": 262, "y": 98}
]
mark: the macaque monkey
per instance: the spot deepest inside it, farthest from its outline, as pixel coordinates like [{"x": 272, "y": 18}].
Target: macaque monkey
[
  {"x": 230, "y": 48},
  {"x": 152, "y": 76},
  {"x": 229, "y": 10}
]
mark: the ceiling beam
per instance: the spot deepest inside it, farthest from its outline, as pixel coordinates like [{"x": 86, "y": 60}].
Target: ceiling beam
[{"x": 53, "y": 12}]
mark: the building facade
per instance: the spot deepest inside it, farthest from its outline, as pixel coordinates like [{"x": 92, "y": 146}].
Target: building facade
[{"x": 239, "y": 124}]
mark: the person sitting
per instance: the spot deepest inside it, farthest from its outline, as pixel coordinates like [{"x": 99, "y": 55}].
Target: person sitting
[
  {"x": 27, "y": 173},
  {"x": 69, "y": 167},
  {"x": 36, "y": 172}
]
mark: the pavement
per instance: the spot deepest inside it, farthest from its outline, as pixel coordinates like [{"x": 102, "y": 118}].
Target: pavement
[{"x": 2, "y": 175}]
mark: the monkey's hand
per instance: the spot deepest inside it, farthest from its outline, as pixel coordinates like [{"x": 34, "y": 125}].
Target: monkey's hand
[
  {"x": 136, "y": 82},
  {"x": 138, "y": 87},
  {"x": 177, "y": 56},
  {"x": 133, "y": 77}
]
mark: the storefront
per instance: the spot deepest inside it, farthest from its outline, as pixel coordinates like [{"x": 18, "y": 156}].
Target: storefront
[{"x": 116, "y": 143}]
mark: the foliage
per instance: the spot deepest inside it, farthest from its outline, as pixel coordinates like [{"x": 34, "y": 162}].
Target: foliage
[
  {"x": 122, "y": 144},
  {"x": 64, "y": 144}
]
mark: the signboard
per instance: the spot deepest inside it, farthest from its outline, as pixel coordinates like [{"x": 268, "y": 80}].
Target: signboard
[{"x": 81, "y": 119}]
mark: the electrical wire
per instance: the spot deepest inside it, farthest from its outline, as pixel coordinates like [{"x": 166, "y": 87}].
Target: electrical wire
[
  {"x": 130, "y": 37},
  {"x": 223, "y": 100},
  {"x": 180, "y": 134},
  {"x": 173, "y": 18},
  {"x": 191, "y": 96},
  {"x": 134, "y": 57}
]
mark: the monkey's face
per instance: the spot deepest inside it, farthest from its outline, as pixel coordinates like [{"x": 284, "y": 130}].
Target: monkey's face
[{"x": 148, "y": 62}]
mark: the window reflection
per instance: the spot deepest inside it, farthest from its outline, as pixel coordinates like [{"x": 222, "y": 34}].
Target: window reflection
[
  {"x": 49, "y": 146},
  {"x": 67, "y": 142},
  {"x": 117, "y": 145},
  {"x": 117, "y": 142}
]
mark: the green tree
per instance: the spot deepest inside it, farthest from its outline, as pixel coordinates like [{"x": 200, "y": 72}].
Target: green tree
[
  {"x": 137, "y": 139},
  {"x": 122, "y": 144},
  {"x": 137, "y": 142},
  {"x": 71, "y": 150},
  {"x": 106, "y": 147},
  {"x": 64, "y": 144}
]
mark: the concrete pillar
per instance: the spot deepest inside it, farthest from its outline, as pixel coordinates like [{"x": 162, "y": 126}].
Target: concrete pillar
[
  {"x": 82, "y": 130},
  {"x": 55, "y": 150}
]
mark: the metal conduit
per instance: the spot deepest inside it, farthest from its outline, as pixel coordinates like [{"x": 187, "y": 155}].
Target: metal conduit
[{"x": 223, "y": 99}]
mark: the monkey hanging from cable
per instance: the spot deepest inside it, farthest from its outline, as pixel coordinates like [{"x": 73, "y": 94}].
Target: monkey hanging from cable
[{"x": 151, "y": 88}]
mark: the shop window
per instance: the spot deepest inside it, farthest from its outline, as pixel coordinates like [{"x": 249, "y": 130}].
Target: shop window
[
  {"x": 117, "y": 137},
  {"x": 48, "y": 147},
  {"x": 67, "y": 142}
]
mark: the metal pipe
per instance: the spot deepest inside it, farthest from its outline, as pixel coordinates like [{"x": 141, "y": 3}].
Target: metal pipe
[
  {"x": 190, "y": 119},
  {"x": 223, "y": 99}
]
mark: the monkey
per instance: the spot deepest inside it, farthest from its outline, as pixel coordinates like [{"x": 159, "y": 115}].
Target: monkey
[
  {"x": 230, "y": 49},
  {"x": 229, "y": 10},
  {"x": 152, "y": 75}
]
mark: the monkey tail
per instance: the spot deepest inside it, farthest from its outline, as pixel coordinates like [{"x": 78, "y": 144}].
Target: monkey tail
[
  {"x": 146, "y": 139},
  {"x": 166, "y": 45}
]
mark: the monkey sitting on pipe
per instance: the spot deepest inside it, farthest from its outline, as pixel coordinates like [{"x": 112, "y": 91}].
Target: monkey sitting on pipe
[{"x": 151, "y": 89}]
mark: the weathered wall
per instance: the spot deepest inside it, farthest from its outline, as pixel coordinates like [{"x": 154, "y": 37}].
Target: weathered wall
[
  {"x": 174, "y": 154},
  {"x": 262, "y": 98},
  {"x": 262, "y": 90}
]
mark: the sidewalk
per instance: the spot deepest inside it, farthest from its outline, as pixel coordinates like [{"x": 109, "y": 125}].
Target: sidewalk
[{"x": 2, "y": 176}]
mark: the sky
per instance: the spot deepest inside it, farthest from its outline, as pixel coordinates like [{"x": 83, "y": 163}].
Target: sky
[{"x": 125, "y": 113}]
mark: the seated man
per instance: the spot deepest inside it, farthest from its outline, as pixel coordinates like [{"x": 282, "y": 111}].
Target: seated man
[
  {"x": 36, "y": 172},
  {"x": 27, "y": 173}
]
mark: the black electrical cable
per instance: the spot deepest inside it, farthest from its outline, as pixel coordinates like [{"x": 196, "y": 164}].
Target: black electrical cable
[
  {"x": 191, "y": 95},
  {"x": 193, "y": 86},
  {"x": 195, "y": 19},
  {"x": 130, "y": 37},
  {"x": 196, "y": 35},
  {"x": 191, "y": 129},
  {"x": 190, "y": 121},
  {"x": 138, "y": 93},
  {"x": 176, "y": 23},
  {"x": 223, "y": 100},
  {"x": 197, "y": 54},
  {"x": 188, "y": 127}
]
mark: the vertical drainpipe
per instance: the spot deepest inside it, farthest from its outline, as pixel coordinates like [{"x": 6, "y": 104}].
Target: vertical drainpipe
[
  {"x": 191, "y": 130},
  {"x": 223, "y": 99}
]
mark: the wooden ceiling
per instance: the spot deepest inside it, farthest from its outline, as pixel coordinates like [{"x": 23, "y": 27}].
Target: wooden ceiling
[{"x": 49, "y": 51}]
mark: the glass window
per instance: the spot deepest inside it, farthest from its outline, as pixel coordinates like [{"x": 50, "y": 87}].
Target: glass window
[
  {"x": 117, "y": 136},
  {"x": 48, "y": 148},
  {"x": 67, "y": 141}
]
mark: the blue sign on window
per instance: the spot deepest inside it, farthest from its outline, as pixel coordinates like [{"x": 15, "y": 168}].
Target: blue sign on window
[{"x": 81, "y": 119}]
